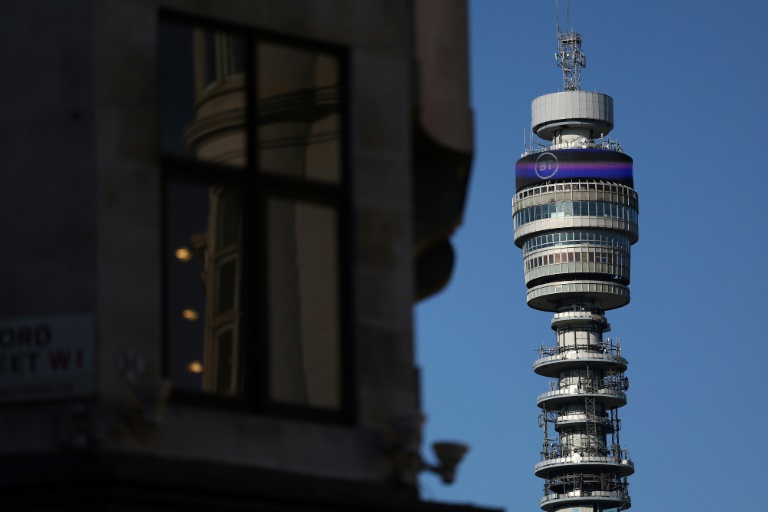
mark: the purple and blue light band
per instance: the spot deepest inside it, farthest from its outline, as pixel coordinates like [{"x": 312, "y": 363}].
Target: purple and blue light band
[{"x": 573, "y": 164}]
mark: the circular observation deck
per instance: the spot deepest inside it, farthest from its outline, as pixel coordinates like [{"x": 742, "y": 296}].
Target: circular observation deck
[
  {"x": 584, "y": 463},
  {"x": 576, "y": 254},
  {"x": 551, "y": 366},
  {"x": 604, "y": 499},
  {"x": 581, "y": 206},
  {"x": 559, "y": 216},
  {"x": 607, "y": 397},
  {"x": 548, "y": 297},
  {"x": 590, "y": 112},
  {"x": 577, "y": 263}
]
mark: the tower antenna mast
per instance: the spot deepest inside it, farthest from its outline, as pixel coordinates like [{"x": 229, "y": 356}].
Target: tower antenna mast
[{"x": 569, "y": 55}]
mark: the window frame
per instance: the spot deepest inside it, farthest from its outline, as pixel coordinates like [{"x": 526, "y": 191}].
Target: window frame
[{"x": 258, "y": 188}]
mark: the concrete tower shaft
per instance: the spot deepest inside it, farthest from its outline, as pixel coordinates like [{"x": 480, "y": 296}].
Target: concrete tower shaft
[
  {"x": 582, "y": 462},
  {"x": 575, "y": 215}
]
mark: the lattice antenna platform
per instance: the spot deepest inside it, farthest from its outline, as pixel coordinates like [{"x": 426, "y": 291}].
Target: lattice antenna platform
[{"x": 570, "y": 58}]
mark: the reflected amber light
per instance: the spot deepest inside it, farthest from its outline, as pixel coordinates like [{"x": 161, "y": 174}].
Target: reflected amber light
[
  {"x": 183, "y": 254},
  {"x": 195, "y": 367},
  {"x": 190, "y": 314}
]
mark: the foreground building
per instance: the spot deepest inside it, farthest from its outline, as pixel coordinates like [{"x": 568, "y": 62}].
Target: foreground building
[{"x": 218, "y": 217}]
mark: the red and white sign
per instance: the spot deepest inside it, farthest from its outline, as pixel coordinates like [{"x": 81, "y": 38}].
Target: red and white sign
[{"x": 46, "y": 358}]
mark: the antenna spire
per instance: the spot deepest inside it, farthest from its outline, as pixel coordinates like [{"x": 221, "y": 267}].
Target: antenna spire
[{"x": 569, "y": 56}]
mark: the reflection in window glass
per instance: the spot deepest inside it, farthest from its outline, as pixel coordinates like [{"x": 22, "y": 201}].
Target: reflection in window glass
[
  {"x": 202, "y": 94},
  {"x": 207, "y": 283},
  {"x": 225, "y": 369},
  {"x": 235, "y": 55},
  {"x": 299, "y": 112},
  {"x": 226, "y": 286},
  {"x": 228, "y": 218},
  {"x": 220, "y": 56},
  {"x": 303, "y": 304},
  {"x": 208, "y": 67},
  {"x": 177, "y": 86},
  {"x": 293, "y": 336}
]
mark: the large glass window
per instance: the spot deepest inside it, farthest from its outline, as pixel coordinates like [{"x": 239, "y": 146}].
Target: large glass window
[
  {"x": 575, "y": 209},
  {"x": 304, "y": 327},
  {"x": 255, "y": 231},
  {"x": 580, "y": 237}
]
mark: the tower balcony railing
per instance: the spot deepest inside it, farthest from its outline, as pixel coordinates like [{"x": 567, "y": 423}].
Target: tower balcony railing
[
  {"x": 557, "y": 451},
  {"x": 605, "y": 143},
  {"x": 619, "y": 498},
  {"x": 580, "y": 481},
  {"x": 551, "y": 355},
  {"x": 617, "y": 495},
  {"x": 623, "y": 467},
  {"x": 582, "y": 390},
  {"x": 610, "y": 396},
  {"x": 606, "y": 347},
  {"x": 615, "y": 383}
]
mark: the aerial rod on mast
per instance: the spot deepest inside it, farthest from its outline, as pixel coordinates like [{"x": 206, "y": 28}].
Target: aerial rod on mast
[
  {"x": 569, "y": 55},
  {"x": 567, "y": 14}
]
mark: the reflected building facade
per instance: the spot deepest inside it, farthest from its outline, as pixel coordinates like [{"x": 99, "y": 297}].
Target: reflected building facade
[
  {"x": 248, "y": 199},
  {"x": 295, "y": 112}
]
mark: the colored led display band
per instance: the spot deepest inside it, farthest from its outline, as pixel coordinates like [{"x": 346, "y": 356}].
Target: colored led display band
[{"x": 564, "y": 164}]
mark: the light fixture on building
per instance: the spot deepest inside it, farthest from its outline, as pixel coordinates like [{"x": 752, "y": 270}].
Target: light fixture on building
[
  {"x": 406, "y": 428},
  {"x": 147, "y": 400},
  {"x": 449, "y": 455}
]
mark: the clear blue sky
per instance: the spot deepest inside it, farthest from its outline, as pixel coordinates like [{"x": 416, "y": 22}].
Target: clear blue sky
[{"x": 689, "y": 81}]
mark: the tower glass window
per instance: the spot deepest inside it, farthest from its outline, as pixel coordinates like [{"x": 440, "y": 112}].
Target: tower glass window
[{"x": 255, "y": 203}]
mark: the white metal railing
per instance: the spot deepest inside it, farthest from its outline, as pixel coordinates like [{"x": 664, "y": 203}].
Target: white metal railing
[
  {"x": 605, "y": 143},
  {"x": 554, "y": 450},
  {"x": 575, "y": 459},
  {"x": 579, "y": 356},
  {"x": 606, "y": 347},
  {"x": 615, "y": 495},
  {"x": 574, "y": 393},
  {"x": 611, "y": 383}
]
